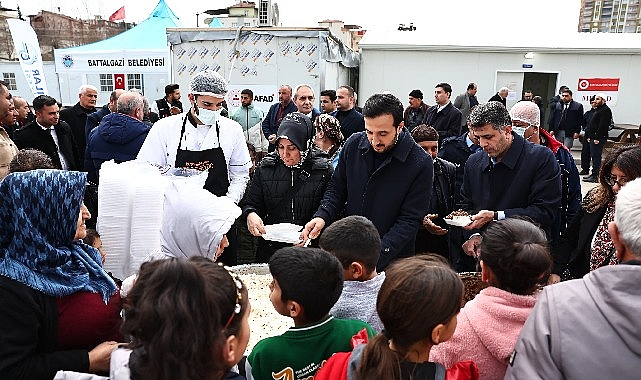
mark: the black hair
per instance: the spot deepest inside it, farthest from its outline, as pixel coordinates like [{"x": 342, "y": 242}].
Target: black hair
[
  {"x": 247, "y": 91},
  {"x": 353, "y": 239},
  {"x": 178, "y": 315},
  {"x": 91, "y": 237},
  {"x": 330, "y": 93},
  {"x": 384, "y": 104},
  {"x": 471, "y": 86},
  {"x": 568, "y": 91},
  {"x": 446, "y": 87},
  {"x": 170, "y": 88},
  {"x": 42, "y": 101},
  {"x": 311, "y": 277},
  {"x": 517, "y": 252},
  {"x": 424, "y": 132},
  {"x": 493, "y": 113}
]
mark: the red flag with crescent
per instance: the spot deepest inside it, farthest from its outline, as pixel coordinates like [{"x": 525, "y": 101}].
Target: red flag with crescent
[{"x": 119, "y": 81}]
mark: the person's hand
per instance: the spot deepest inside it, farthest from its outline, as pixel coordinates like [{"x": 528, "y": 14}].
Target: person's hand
[
  {"x": 255, "y": 224},
  {"x": 554, "y": 279},
  {"x": 596, "y": 142},
  {"x": 100, "y": 357},
  {"x": 431, "y": 227},
  {"x": 472, "y": 246},
  {"x": 587, "y": 139},
  {"x": 174, "y": 110},
  {"x": 312, "y": 229},
  {"x": 479, "y": 220},
  {"x": 576, "y": 135},
  {"x": 551, "y": 133},
  {"x": 272, "y": 139}
]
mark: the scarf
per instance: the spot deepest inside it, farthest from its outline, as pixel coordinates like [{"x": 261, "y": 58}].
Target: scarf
[
  {"x": 603, "y": 251},
  {"x": 39, "y": 212}
]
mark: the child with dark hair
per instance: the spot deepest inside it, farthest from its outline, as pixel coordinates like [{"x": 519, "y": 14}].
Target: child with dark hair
[
  {"x": 418, "y": 303},
  {"x": 355, "y": 242},
  {"x": 187, "y": 319},
  {"x": 515, "y": 259},
  {"x": 307, "y": 283}
]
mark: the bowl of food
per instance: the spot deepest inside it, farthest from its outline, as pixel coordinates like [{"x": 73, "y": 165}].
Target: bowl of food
[{"x": 458, "y": 218}]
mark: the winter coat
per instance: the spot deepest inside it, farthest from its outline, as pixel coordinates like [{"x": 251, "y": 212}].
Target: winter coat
[
  {"x": 395, "y": 196},
  {"x": 420, "y": 117},
  {"x": 486, "y": 332},
  {"x": 447, "y": 121},
  {"x": 526, "y": 183},
  {"x": 600, "y": 123},
  {"x": 273, "y": 181},
  {"x": 118, "y": 137},
  {"x": 584, "y": 329},
  {"x": 351, "y": 121}
]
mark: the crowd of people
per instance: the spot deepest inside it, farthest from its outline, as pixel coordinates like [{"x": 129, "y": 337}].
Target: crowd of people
[{"x": 371, "y": 283}]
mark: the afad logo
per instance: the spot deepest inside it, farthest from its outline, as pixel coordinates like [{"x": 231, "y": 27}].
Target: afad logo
[
  {"x": 67, "y": 61},
  {"x": 28, "y": 54}
]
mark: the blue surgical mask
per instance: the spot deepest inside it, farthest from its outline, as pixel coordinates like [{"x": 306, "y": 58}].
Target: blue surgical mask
[
  {"x": 207, "y": 117},
  {"x": 519, "y": 131}
]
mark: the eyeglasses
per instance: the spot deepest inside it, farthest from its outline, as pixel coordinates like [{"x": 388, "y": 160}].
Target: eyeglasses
[{"x": 612, "y": 180}]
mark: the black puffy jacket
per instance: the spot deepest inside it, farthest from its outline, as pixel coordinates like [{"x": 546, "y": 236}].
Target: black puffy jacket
[{"x": 273, "y": 181}]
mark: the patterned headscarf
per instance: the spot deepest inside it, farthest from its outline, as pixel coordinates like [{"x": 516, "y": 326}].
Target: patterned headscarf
[
  {"x": 330, "y": 126},
  {"x": 39, "y": 212}
]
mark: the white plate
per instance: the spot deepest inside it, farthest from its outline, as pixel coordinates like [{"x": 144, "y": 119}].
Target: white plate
[
  {"x": 459, "y": 221},
  {"x": 283, "y": 232}
]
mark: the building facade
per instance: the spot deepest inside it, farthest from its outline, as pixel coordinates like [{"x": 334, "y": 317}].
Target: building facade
[{"x": 610, "y": 16}]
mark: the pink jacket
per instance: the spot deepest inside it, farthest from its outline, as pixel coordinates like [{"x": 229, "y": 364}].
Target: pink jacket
[{"x": 486, "y": 332}]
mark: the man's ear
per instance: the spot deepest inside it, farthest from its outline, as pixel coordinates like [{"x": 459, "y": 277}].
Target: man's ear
[
  {"x": 400, "y": 127},
  {"x": 294, "y": 309},
  {"x": 615, "y": 235},
  {"x": 356, "y": 270}
]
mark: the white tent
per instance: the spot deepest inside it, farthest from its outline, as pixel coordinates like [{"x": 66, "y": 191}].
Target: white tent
[{"x": 137, "y": 58}]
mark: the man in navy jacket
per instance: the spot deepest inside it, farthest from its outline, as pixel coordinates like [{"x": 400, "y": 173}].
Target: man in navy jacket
[
  {"x": 276, "y": 113},
  {"x": 567, "y": 119},
  {"x": 383, "y": 175},
  {"x": 510, "y": 178}
]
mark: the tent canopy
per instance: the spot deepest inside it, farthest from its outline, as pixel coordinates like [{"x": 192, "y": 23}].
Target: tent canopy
[{"x": 151, "y": 33}]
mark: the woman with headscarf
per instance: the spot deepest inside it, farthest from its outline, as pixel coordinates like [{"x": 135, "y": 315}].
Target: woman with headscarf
[
  {"x": 328, "y": 136},
  {"x": 288, "y": 185},
  {"x": 195, "y": 222},
  {"x": 58, "y": 302},
  {"x": 586, "y": 244}
]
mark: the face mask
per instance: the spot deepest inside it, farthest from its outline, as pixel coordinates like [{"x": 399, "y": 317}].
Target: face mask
[
  {"x": 207, "y": 117},
  {"x": 519, "y": 131}
]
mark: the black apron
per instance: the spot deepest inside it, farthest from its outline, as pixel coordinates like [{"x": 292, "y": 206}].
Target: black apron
[{"x": 212, "y": 159}]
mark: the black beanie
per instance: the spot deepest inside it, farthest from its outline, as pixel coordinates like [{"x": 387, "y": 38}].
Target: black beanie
[
  {"x": 416, "y": 94},
  {"x": 296, "y": 128}
]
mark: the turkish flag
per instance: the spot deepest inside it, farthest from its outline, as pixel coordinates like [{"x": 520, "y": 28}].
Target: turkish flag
[
  {"x": 118, "y": 15},
  {"x": 119, "y": 80}
]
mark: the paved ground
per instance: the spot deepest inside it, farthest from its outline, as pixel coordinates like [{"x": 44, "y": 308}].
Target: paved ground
[{"x": 576, "y": 153}]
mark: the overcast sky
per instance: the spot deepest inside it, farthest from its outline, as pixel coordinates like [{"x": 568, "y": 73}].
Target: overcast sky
[{"x": 477, "y": 16}]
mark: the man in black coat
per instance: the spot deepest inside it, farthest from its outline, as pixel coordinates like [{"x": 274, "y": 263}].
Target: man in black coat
[
  {"x": 351, "y": 120},
  {"x": 500, "y": 96},
  {"x": 597, "y": 134},
  {"x": 511, "y": 178},
  {"x": 382, "y": 175},
  {"x": 443, "y": 116},
  {"x": 567, "y": 119},
  {"x": 49, "y": 134},
  {"x": 76, "y": 117}
]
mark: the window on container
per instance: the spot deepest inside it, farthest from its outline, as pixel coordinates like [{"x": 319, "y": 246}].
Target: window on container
[
  {"x": 134, "y": 81},
  {"x": 106, "y": 82},
  {"x": 10, "y": 80}
]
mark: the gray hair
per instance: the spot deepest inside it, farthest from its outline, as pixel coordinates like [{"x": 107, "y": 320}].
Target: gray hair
[
  {"x": 129, "y": 102},
  {"x": 301, "y": 86},
  {"x": 627, "y": 216},
  {"x": 145, "y": 102},
  {"x": 504, "y": 89},
  {"x": 493, "y": 113},
  {"x": 86, "y": 87}
]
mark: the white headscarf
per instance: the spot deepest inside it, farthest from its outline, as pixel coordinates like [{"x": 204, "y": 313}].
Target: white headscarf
[{"x": 194, "y": 220}]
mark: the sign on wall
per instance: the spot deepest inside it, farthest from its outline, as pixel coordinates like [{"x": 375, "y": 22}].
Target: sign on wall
[{"x": 592, "y": 86}]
